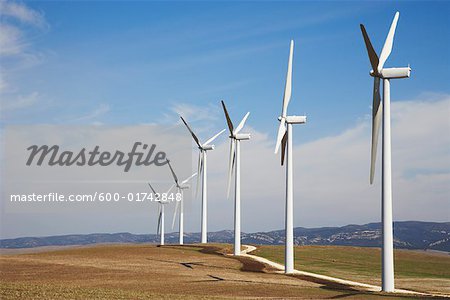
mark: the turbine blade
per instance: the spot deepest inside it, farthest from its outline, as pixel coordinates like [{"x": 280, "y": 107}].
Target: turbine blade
[
  {"x": 175, "y": 214},
  {"x": 373, "y": 57},
  {"x": 159, "y": 221},
  {"x": 173, "y": 185},
  {"x": 241, "y": 124},
  {"x": 283, "y": 147},
  {"x": 387, "y": 48},
  {"x": 192, "y": 133},
  {"x": 214, "y": 137},
  {"x": 227, "y": 116},
  {"x": 376, "y": 122},
  {"x": 281, "y": 131},
  {"x": 189, "y": 178},
  {"x": 199, "y": 172},
  {"x": 173, "y": 172},
  {"x": 288, "y": 86},
  {"x": 153, "y": 190},
  {"x": 230, "y": 167}
]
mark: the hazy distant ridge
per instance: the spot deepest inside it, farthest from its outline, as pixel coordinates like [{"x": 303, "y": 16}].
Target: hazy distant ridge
[{"x": 407, "y": 235}]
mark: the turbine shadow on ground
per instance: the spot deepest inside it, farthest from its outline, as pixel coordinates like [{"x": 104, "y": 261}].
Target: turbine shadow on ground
[{"x": 190, "y": 265}]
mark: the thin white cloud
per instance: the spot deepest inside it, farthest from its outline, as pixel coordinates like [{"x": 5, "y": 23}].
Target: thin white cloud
[
  {"x": 99, "y": 111},
  {"x": 16, "y": 20},
  {"x": 195, "y": 113},
  {"x": 211, "y": 57},
  {"x": 11, "y": 42},
  {"x": 22, "y": 13},
  {"x": 19, "y": 102},
  {"x": 202, "y": 118},
  {"x": 3, "y": 84}
]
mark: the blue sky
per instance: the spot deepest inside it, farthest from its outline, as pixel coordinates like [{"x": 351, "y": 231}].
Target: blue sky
[
  {"x": 141, "y": 58},
  {"x": 143, "y": 62}
]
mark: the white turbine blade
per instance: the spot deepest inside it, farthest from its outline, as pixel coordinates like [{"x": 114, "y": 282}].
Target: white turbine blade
[
  {"x": 192, "y": 133},
  {"x": 214, "y": 137},
  {"x": 230, "y": 167},
  {"x": 175, "y": 213},
  {"x": 189, "y": 178},
  {"x": 281, "y": 131},
  {"x": 283, "y": 147},
  {"x": 199, "y": 172},
  {"x": 227, "y": 116},
  {"x": 172, "y": 171},
  {"x": 376, "y": 122},
  {"x": 159, "y": 219},
  {"x": 387, "y": 48},
  {"x": 153, "y": 190},
  {"x": 241, "y": 124},
  {"x": 173, "y": 185},
  {"x": 373, "y": 57},
  {"x": 288, "y": 86}
]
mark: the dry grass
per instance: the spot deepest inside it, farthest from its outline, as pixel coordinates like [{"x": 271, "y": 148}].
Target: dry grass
[{"x": 147, "y": 271}]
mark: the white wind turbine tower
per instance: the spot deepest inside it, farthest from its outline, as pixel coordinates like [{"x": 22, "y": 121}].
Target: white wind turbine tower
[
  {"x": 181, "y": 186},
  {"x": 161, "y": 204},
  {"x": 202, "y": 168},
  {"x": 235, "y": 162},
  {"x": 382, "y": 112},
  {"x": 284, "y": 138}
]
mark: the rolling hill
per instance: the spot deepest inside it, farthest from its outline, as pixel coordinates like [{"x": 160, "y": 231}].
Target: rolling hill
[{"x": 407, "y": 235}]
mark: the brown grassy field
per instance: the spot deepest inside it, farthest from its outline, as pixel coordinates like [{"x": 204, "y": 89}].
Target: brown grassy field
[{"x": 148, "y": 271}]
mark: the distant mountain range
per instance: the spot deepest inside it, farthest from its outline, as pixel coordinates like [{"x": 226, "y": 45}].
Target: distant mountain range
[{"x": 407, "y": 235}]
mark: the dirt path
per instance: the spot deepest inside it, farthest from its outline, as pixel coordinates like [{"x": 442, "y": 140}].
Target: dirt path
[{"x": 364, "y": 286}]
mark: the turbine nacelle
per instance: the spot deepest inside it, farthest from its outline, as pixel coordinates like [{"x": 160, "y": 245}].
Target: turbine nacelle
[
  {"x": 183, "y": 186},
  {"x": 207, "y": 147},
  {"x": 392, "y": 73},
  {"x": 294, "y": 119},
  {"x": 241, "y": 136}
]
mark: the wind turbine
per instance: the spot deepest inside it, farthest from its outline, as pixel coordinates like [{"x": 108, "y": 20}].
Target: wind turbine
[
  {"x": 202, "y": 168},
  {"x": 382, "y": 112},
  {"x": 181, "y": 186},
  {"x": 160, "y": 228},
  {"x": 235, "y": 162},
  {"x": 284, "y": 138}
]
